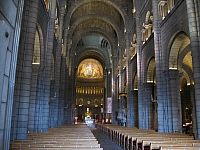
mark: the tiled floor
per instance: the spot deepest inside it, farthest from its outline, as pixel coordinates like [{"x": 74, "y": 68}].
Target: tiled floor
[{"x": 104, "y": 141}]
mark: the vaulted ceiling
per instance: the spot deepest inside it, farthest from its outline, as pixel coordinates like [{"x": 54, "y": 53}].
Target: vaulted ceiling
[{"x": 94, "y": 27}]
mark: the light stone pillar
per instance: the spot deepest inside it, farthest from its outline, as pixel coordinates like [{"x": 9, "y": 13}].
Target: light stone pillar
[
  {"x": 139, "y": 66},
  {"x": 60, "y": 63},
  {"x": 130, "y": 104},
  {"x": 114, "y": 89},
  {"x": 174, "y": 87},
  {"x": 64, "y": 73},
  {"x": 48, "y": 63},
  {"x": 108, "y": 89},
  {"x": 70, "y": 87},
  {"x": 26, "y": 47},
  {"x": 194, "y": 38},
  {"x": 162, "y": 122},
  {"x": 149, "y": 105},
  {"x": 194, "y": 122},
  {"x": 121, "y": 85},
  {"x": 135, "y": 107}
]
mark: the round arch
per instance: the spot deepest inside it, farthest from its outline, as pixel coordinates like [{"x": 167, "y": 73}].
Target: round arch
[{"x": 78, "y": 3}]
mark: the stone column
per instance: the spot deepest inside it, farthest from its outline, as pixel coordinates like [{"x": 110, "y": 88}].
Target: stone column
[
  {"x": 130, "y": 104},
  {"x": 121, "y": 86},
  {"x": 114, "y": 89},
  {"x": 135, "y": 107},
  {"x": 64, "y": 73},
  {"x": 48, "y": 65},
  {"x": 25, "y": 49},
  {"x": 168, "y": 127},
  {"x": 149, "y": 104},
  {"x": 139, "y": 66},
  {"x": 174, "y": 87},
  {"x": 194, "y": 38},
  {"x": 192, "y": 98},
  {"x": 60, "y": 65},
  {"x": 108, "y": 89},
  {"x": 162, "y": 123},
  {"x": 69, "y": 90}
]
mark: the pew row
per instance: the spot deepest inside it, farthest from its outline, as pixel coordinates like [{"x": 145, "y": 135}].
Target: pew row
[
  {"x": 65, "y": 137},
  {"x": 132, "y": 138}
]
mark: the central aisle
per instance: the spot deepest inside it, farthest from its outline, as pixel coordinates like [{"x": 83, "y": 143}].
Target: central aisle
[{"x": 104, "y": 141}]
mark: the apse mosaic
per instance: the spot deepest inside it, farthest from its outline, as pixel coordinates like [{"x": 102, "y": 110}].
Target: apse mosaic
[{"x": 90, "y": 68}]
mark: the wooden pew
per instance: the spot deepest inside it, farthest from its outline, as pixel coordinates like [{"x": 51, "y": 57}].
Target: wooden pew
[
  {"x": 67, "y": 145},
  {"x": 59, "y": 138},
  {"x": 17, "y": 148},
  {"x": 129, "y": 138},
  {"x": 154, "y": 143},
  {"x": 179, "y": 148},
  {"x": 171, "y": 138}
]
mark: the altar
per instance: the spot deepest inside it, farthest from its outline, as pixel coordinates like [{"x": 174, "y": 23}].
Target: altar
[{"x": 89, "y": 121}]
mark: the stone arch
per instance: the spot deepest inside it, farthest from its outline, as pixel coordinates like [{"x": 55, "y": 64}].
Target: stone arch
[
  {"x": 92, "y": 55},
  {"x": 109, "y": 2},
  {"x": 180, "y": 73},
  {"x": 41, "y": 43},
  {"x": 135, "y": 81},
  {"x": 186, "y": 76},
  {"x": 134, "y": 39},
  {"x": 52, "y": 68},
  {"x": 37, "y": 47},
  {"x": 107, "y": 20},
  {"x": 81, "y": 34},
  {"x": 179, "y": 41},
  {"x": 183, "y": 54},
  {"x": 151, "y": 71},
  {"x": 97, "y": 32},
  {"x": 147, "y": 17}
]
